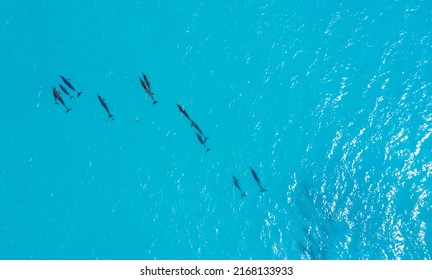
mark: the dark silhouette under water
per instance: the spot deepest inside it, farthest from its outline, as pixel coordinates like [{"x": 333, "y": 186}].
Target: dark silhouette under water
[
  {"x": 237, "y": 185},
  {"x": 102, "y": 101},
  {"x": 58, "y": 97},
  {"x": 66, "y": 81},
  {"x": 146, "y": 85},
  {"x": 257, "y": 179}
]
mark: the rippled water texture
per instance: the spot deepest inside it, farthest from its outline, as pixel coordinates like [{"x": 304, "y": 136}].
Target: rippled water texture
[{"x": 329, "y": 101}]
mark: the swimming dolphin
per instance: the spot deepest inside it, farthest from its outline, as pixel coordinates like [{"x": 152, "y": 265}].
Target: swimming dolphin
[
  {"x": 65, "y": 91},
  {"x": 202, "y": 142},
  {"x": 254, "y": 174},
  {"x": 66, "y": 81},
  {"x": 58, "y": 97},
  {"x": 146, "y": 80},
  {"x": 236, "y": 183},
  {"x": 183, "y": 111},
  {"x": 55, "y": 98},
  {"x": 146, "y": 85},
  {"x": 102, "y": 101},
  {"x": 194, "y": 124}
]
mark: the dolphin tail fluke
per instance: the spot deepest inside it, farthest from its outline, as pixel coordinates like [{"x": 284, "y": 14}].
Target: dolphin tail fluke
[
  {"x": 68, "y": 109},
  {"x": 207, "y": 149},
  {"x": 111, "y": 117},
  {"x": 71, "y": 96},
  {"x": 155, "y": 102},
  {"x": 263, "y": 189},
  {"x": 79, "y": 93}
]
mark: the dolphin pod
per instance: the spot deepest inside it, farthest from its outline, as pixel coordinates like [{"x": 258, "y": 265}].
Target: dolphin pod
[
  {"x": 68, "y": 83},
  {"x": 145, "y": 83},
  {"x": 58, "y": 97}
]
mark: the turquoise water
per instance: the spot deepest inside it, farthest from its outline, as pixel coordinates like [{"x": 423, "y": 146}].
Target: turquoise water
[{"x": 329, "y": 101}]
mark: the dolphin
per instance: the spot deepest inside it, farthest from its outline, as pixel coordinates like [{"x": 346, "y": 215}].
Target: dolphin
[
  {"x": 66, "y": 81},
  {"x": 257, "y": 179},
  {"x": 102, "y": 101},
  {"x": 146, "y": 85},
  {"x": 58, "y": 97},
  {"x": 237, "y": 185},
  {"x": 55, "y": 98},
  {"x": 195, "y": 125},
  {"x": 202, "y": 142},
  {"x": 65, "y": 91},
  {"x": 183, "y": 111}
]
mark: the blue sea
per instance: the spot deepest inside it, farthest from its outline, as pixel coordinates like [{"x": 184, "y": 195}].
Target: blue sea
[{"x": 329, "y": 102}]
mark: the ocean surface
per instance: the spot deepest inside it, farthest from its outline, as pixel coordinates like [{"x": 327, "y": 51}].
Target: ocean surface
[{"x": 328, "y": 101}]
